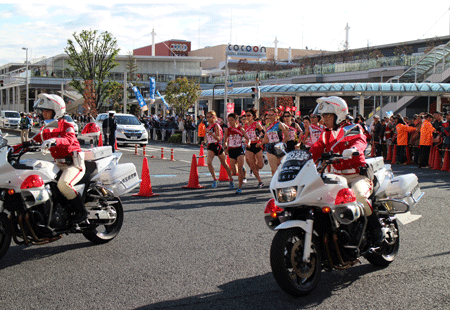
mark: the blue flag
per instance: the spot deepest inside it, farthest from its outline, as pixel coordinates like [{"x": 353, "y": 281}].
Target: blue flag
[
  {"x": 139, "y": 97},
  {"x": 152, "y": 88},
  {"x": 162, "y": 98}
]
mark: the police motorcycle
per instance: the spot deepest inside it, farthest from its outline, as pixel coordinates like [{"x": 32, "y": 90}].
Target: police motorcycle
[
  {"x": 320, "y": 225},
  {"x": 33, "y": 211}
]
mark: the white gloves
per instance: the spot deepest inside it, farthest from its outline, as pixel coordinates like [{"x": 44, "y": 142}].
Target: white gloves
[
  {"x": 348, "y": 153},
  {"x": 47, "y": 144}
]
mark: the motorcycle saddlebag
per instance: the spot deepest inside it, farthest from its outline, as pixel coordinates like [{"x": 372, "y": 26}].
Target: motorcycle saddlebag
[
  {"x": 405, "y": 188},
  {"x": 121, "y": 178},
  {"x": 97, "y": 152}
]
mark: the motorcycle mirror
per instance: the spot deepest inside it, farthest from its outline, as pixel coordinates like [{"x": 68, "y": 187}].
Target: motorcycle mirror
[
  {"x": 280, "y": 148},
  {"x": 350, "y": 130},
  {"x": 51, "y": 123}
]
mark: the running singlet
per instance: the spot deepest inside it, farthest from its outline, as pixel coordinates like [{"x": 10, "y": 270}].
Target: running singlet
[
  {"x": 273, "y": 132},
  {"x": 314, "y": 134},
  {"x": 292, "y": 133},
  {"x": 235, "y": 137},
  {"x": 250, "y": 130},
  {"x": 209, "y": 137}
]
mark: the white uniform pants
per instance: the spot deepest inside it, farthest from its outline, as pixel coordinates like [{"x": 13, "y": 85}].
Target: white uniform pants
[
  {"x": 70, "y": 176},
  {"x": 362, "y": 187}
]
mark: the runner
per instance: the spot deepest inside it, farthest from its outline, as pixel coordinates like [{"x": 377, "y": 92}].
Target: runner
[
  {"x": 275, "y": 133},
  {"x": 313, "y": 130},
  {"x": 214, "y": 135},
  {"x": 233, "y": 146},
  {"x": 295, "y": 132},
  {"x": 254, "y": 154}
]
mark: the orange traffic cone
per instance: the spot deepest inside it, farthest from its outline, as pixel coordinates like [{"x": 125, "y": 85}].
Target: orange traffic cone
[
  {"x": 372, "y": 152},
  {"x": 115, "y": 145},
  {"x": 223, "y": 175},
  {"x": 146, "y": 186},
  {"x": 437, "y": 159},
  {"x": 389, "y": 153},
  {"x": 394, "y": 155},
  {"x": 201, "y": 157},
  {"x": 408, "y": 155},
  {"x": 100, "y": 141},
  {"x": 431, "y": 157},
  {"x": 446, "y": 164},
  {"x": 193, "y": 176}
]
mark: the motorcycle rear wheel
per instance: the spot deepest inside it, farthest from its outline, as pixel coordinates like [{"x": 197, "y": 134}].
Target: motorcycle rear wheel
[
  {"x": 387, "y": 253},
  {"x": 292, "y": 275},
  {"x": 5, "y": 234},
  {"x": 98, "y": 235}
]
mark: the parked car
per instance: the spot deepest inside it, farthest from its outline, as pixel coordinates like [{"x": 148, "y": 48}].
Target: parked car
[
  {"x": 9, "y": 119},
  {"x": 129, "y": 129}
]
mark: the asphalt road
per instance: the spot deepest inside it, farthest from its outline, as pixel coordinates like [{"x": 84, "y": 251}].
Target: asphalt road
[{"x": 209, "y": 249}]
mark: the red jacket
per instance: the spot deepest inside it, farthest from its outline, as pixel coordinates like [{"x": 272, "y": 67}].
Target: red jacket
[
  {"x": 330, "y": 137},
  {"x": 66, "y": 141}
]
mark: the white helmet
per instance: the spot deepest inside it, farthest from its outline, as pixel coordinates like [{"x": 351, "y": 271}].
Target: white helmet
[
  {"x": 51, "y": 102},
  {"x": 332, "y": 105}
]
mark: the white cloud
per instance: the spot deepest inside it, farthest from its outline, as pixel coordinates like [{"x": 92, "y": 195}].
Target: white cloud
[{"x": 45, "y": 28}]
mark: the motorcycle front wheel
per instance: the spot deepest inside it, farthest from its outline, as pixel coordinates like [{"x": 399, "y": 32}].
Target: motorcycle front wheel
[
  {"x": 389, "y": 249},
  {"x": 104, "y": 233},
  {"x": 5, "y": 234},
  {"x": 286, "y": 259}
]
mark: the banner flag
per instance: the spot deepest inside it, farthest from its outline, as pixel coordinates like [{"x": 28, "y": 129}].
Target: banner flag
[
  {"x": 163, "y": 100},
  {"x": 152, "y": 89},
  {"x": 139, "y": 97}
]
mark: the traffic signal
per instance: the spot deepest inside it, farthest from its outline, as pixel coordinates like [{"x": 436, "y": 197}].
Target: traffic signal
[
  {"x": 1, "y": 83},
  {"x": 256, "y": 94}
]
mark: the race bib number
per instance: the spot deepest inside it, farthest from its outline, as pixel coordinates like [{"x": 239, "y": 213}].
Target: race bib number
[
  {"x": 273, "y": 136},
  {"x": 234, "y": 141},
  {"x": 252, "y": 135}
]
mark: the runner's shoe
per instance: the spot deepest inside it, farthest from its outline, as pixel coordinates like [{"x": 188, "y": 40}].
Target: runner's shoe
[
  {"x": 238, "y": 191},
  {"x": 231, "y": 185},
  {"x": 260, "y": 185},
  {"x": 214, "y": 184}
]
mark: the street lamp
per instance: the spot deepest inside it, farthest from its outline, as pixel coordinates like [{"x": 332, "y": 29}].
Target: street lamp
[{"x": 26, "y": 81}]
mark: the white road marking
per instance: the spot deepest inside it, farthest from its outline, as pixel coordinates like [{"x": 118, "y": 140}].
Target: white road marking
[{"x": 407, "y": 218}]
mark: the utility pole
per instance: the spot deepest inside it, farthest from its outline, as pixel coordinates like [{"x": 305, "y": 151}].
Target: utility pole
[{"x": 27, "y": 100}]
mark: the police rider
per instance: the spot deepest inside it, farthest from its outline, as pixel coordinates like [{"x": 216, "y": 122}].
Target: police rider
[
  {"x": 334, "y": 111},
  {"x": 64, "y": 148}
]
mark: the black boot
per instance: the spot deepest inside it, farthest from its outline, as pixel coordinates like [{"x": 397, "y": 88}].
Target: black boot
[
  {"x": 374, "y": 226},
  {"x": 80, "y": 210}
]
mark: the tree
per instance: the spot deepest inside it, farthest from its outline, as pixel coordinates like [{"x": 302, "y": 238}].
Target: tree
[
  {"x": 115, "y": 95},
  {"x": 131, "y": 67},
  {"x": 91, "y": 58},
  {"x": 182, "y": 94}
]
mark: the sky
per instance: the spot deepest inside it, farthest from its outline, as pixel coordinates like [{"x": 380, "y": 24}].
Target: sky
[{"x": 45, "y": 27}]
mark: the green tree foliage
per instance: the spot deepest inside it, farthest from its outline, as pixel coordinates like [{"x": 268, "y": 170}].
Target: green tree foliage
[
  {"x": 92, "y": 57},
  {"x": 181, "y": 94},
  {"x": 131, "y": 67}
]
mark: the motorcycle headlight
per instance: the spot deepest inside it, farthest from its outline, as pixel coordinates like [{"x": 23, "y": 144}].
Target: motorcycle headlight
[{"x": 287, "y": 194}]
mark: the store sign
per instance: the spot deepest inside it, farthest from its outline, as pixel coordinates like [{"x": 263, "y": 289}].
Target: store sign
[
  {"x": 246, "y": 50},
  {"x": 179, "y": 47}
]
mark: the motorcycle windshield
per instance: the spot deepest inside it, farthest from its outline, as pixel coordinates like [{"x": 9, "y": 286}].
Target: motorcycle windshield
[
  {"x": 292, "y": 165},
  {"x": 3, "y": 142}
]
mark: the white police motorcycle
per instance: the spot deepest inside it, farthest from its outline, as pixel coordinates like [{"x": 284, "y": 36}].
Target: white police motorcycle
[
  {"x": 33, "y": 211},
  {"x": 320, "y": 225}
]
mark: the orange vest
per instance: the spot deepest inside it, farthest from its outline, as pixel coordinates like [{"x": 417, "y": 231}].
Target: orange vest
[
  {"x": 426, "y": 133},
  {"x": 201, "y": 130},
  {"x": 402, "y": 133}
]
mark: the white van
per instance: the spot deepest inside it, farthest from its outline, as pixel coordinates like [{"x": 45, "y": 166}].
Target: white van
[
  {"x": 9, "y": 119},
  {"x": 129, "y": 129}
]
